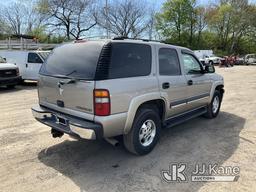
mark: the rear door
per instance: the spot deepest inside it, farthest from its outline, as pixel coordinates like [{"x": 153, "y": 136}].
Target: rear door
[
  {"x": 198, "y": 84},
  {"x": 67, "y": 79},
  {"x": 172, "y": 82},
  {"x": 33, "y": 65}
]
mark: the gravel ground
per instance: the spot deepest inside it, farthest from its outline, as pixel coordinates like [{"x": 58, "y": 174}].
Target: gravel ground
[{"x": 31, "y": 160}]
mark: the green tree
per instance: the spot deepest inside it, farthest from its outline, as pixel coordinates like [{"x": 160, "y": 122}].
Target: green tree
[
  {"x": 177, "y": 21},
  {"x": 201, "y": 23},
  {"x": 227, "y": 27},
  {"x": 231, "y": 20}
]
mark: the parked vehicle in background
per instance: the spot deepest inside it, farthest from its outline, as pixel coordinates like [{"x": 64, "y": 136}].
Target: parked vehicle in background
[
  {"x": 102, "y": 89},
  {"x": 28, "y": 62},
  {"x": 212, "y": 59},
  {"x": 239, "y": 60},
  {"x": 207, "y": 57},
  {"x": 202, "y": 53},
  {"x": 9, "y": 74},
  {"x": 250, "y": 59}
]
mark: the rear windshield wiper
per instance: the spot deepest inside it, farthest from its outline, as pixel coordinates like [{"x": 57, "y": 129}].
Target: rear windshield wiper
[
  {"x": 74, "y": 71},
  {"x": 67, "y": 76},
  {"x": 70, "y": 81}
]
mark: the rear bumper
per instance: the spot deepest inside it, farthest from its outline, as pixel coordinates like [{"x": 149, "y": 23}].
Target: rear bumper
[
  {"x": 74, "y": 126},
  {"x": 10, "y": 80}
]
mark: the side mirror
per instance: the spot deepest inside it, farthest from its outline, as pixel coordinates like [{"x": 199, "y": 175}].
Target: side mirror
[{"x": 208, "y": 68}]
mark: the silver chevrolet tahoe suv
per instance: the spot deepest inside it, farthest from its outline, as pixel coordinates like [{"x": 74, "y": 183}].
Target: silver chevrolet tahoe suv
[{"x": 123, "y": 87}]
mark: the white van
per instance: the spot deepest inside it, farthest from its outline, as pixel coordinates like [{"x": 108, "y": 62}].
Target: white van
[{"x": 29, "y": 62}]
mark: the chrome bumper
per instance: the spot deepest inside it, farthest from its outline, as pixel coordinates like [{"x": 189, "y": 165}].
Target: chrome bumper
[{"x": 73, "y": 126}]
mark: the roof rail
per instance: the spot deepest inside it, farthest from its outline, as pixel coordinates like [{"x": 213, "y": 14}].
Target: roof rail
[{"x": 146, "y": 40}]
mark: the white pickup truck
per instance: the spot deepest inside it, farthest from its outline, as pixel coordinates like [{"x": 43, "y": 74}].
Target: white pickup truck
[
  {"x": 28, "y": 62},
  {"x": 207, "y": 57},
  {"x": 212, "y": 59},
  {"x": 9, "y": 74}
]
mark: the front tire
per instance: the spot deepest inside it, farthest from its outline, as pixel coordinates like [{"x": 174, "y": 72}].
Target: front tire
[
  {"x": 214, "y": 107},
  {"x": 145, "y": 132}
]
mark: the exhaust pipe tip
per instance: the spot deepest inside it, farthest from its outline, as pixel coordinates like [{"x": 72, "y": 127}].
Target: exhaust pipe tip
[{"x": 112, "y": 141}]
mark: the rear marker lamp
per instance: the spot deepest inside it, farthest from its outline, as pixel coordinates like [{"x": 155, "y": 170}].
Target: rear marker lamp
[{"x": 101, "y": 102}]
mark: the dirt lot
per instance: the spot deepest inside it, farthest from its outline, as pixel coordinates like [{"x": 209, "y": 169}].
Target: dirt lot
[{"x": 31, "y": 160}]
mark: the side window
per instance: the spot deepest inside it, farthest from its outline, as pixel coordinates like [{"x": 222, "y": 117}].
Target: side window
[
  {"x": 34, "y": 58},
  {"x": 129, "y": 60},
  {"x": 191, "y": 65},
  {"x": 169, "y": 62}
]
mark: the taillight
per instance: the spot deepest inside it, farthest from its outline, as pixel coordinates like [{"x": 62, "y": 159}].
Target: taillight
[{"x": 101, "y": 102}]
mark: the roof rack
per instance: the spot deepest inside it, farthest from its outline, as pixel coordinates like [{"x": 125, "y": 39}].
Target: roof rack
[{"x": 146, "y": 40}]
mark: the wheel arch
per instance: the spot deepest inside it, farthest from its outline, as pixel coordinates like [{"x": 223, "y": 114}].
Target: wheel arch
[
  {"x": 217, "y": 86},
  {"x": 154, "y": 101},
  {"x": 220, "y": 88}
]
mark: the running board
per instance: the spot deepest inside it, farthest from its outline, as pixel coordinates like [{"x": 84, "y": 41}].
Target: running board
[{"x": 178, "y": 119}]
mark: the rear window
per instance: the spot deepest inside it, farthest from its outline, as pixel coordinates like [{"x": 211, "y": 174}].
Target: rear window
[
  {"x": 34, "y": 58},
  {"x": 129, "y": 60},
  {"x": 76, "y": 60}
]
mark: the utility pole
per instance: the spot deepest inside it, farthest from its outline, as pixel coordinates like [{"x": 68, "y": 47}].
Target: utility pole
[{"x": 107, "y": 24}]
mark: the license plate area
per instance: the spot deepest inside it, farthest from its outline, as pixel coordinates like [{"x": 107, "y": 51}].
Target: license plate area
[{"x": 60, "y": 120}]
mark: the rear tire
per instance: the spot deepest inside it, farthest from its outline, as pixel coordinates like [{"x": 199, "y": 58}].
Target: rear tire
[
  {"x": 145, "y": 132},
  {"x": 214, "y": 107}
]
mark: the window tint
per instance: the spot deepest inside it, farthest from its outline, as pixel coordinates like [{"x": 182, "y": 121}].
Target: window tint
[
  {"x": 76, "y": 60},
  {"x": 168, "y": 62},
  {"x": 129, "y": 60},
  {"x": 191, "y": 65},
  {"x": 34, "y": 58}
]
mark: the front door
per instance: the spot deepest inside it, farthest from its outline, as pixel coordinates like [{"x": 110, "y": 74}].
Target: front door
[
  {"x": 33, "y": 65},
  {"x": 172, "y": 83},
  {"x": 199, "y": 84}
]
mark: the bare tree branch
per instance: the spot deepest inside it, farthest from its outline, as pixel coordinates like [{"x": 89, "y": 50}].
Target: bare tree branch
[
  {"x": 124, "y": 18},
  {"x": 75, "y": 16}
]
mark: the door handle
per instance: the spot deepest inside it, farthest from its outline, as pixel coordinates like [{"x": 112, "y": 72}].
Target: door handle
[
  {"x": 190, "y": 82},
  {"x": 166, "y": 85},
  {"x": 26, "y": 65}
]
